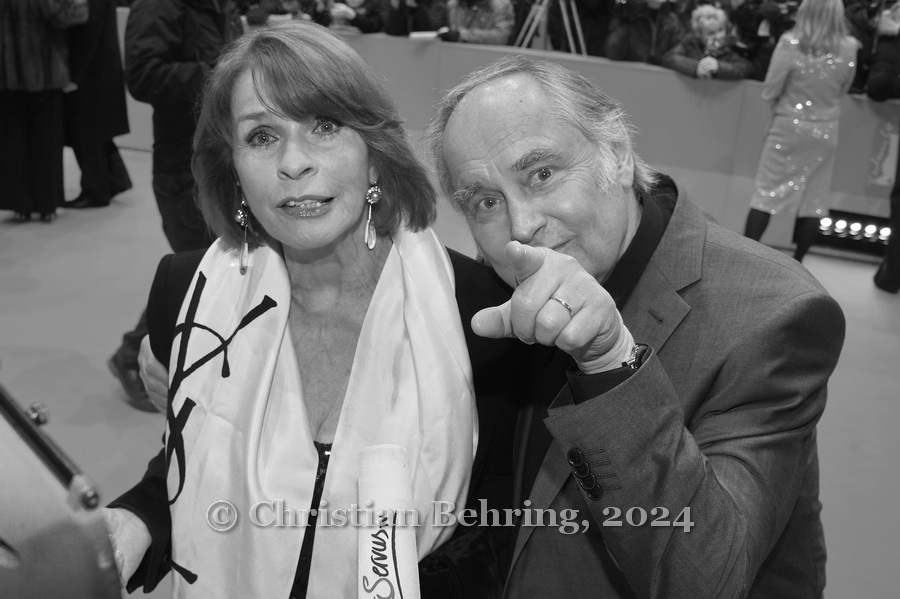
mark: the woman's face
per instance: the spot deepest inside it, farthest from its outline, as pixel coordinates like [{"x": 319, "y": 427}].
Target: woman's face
[
  {"x": 709, "y": 23},
  {"x": 305, "y": 181}
]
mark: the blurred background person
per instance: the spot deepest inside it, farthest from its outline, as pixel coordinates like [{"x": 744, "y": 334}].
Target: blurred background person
[
  {"x": 405, "y": 16},
  {"x": 811, "y": 69},
  {"x": 170, "y": 48},
  {"x": 478, "y": 22},
  {"x": 595, "y": 17},
  {"x": 884, "y": 84},
  {"x": 709, "y": 50},
  {"x": 643, "y": 31},
  {"x": 366, "y": 15},
  {"x": 269, "y": 12},
  {"x": 33, "y": 72},
  {"x": 863, "y": 20},
  {"x": 95, "y": 112}
]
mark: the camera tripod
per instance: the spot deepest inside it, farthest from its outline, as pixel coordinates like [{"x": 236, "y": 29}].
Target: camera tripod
[{"x": 537, "y": 17}]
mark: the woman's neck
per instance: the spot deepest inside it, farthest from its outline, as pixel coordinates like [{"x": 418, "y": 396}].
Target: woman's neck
[{"x": 320, "y": 281}]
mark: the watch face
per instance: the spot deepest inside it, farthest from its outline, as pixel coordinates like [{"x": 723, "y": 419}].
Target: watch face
[{"x": 638, "y": 355}]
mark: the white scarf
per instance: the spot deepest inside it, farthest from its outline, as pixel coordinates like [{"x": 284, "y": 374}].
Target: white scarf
[{"x": 245, "y": 433}]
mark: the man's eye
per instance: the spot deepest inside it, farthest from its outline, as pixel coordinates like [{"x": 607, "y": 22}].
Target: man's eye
[
  {"x": 544, "y": 174},
  {"x": 487, "y": 204}
]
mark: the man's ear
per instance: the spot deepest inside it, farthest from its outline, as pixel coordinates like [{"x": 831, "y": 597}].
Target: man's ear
[{"x": 625, "y": 170}]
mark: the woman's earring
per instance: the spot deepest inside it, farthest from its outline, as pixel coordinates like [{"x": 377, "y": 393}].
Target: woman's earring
[
  {"x": 373, "y": 196},
  {"x": 242, "y": 217}
]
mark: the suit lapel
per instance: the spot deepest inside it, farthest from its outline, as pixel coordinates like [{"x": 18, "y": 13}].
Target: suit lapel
[
  {"x": 652, "y": 314},
  {"x": 550, "y": 478}
]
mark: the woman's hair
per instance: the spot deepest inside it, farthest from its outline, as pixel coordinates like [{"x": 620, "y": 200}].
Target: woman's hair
[
  {"x": 301, "y": 69},
  {"x": 574, "y": 99},
  {"x": 704, "y": 10},
  {"x": 820, "y": 26}
]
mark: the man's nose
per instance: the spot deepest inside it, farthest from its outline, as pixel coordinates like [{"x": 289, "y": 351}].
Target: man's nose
[
  {"x": 296, "y": 161},
  {"x": 526, "y": 221}
]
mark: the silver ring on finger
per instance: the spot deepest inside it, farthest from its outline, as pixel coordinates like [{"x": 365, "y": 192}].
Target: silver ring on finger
[{"x": 564, "y": 304}]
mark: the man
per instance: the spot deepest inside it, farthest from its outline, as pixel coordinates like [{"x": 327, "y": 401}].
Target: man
[
  {"x": 689, "y": 456},
  {"x": 95, "y": 112},
  {"x": 884, "y": 84},
  {"x": 170, "y": 47},
  {"x": 704, "y": 427},
  {"x": 643, "y": 31}
]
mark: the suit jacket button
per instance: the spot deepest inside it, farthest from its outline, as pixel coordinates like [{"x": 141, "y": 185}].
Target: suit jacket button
[
  {"x": 582, "y": 470},
  {"x": 588, "y": 482},
  {"x": 575, "y": 457},
  {"x": 596, "y": 493}
]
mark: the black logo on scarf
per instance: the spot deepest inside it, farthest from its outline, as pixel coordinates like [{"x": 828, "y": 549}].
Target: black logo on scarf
[{"x": 177, "y": 423}]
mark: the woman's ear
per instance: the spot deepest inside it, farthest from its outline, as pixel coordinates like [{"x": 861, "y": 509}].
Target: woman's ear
[{"x": 373, "y": 176}]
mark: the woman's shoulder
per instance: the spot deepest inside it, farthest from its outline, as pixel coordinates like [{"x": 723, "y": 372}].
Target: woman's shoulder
[
  {"x": 789, "y": 38},
  {"x": 850, "y": 44},
  {"x": 178, "y": 270}
]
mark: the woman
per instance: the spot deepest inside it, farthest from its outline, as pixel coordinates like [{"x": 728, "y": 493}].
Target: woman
[
  {"x": 322, "y": 320},
  {"x": 812, "y": 67},
  {"x": 708, "y": 52},
  {"x": 34, "y": 70}
]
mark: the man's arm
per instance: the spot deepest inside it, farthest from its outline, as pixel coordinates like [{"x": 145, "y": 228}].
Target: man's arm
[
  {"x": 739, "y": 464},
  {"x": 154, "y": 71}
]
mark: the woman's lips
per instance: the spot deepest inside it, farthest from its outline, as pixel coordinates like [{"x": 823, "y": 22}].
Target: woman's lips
[{"x": 305, "y": 206}]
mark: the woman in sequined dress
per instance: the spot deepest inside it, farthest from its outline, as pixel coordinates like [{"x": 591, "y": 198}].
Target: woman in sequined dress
[{"x": 812, "y": 67}]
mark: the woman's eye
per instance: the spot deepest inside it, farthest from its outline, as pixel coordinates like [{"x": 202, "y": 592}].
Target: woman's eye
[
  {"x": 260, "y": 138},
  {"x": 326, "y": 127}
]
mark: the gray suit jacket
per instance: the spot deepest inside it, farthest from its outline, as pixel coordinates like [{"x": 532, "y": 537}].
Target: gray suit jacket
[{"x": 720, "y": 419}]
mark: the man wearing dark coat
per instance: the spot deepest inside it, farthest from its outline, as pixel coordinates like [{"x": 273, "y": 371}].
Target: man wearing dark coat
[{"x": 95, "y": 112}]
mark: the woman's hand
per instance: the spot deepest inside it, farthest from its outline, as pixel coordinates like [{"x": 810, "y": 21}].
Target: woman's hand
[
  {"x": 130, "y": 540},
  {"x": 888, "y": 25},
  {"x": 154, "y": 375},
  {"x": 707, "y": 67}
]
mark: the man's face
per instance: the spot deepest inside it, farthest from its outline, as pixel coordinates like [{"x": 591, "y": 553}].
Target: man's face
[{"x": 523, "y": 175}]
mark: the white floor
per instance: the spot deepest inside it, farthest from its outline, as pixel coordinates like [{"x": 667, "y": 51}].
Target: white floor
[{"x": 68, "y": 290}]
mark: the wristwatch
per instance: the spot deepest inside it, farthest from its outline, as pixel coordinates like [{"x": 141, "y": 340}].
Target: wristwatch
[{"x": 637, "y": 356}]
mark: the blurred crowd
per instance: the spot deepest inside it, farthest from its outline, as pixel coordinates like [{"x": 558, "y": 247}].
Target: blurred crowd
[{"x": 724, "y": 39}]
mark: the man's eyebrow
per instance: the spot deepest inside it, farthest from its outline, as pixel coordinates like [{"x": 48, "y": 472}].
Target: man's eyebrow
[
  {"x": 532, "y": 157},
  {"x": 462, "y": 195}
]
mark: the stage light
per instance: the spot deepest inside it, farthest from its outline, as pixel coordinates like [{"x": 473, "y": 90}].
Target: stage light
[
  {"x": 885, "y": 232},
  {"x": 855, "y": 228},
  {"x": 870, "y": 230},
  {"x": 825, "y": 223},
  {"x": 840, "y": 225}
]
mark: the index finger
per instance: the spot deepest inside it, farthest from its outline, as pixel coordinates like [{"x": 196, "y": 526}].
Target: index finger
[{"x": 524, "y": 260}]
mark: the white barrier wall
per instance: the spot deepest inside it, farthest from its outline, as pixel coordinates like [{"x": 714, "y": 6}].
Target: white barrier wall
[{"x": 708, "y": 134}]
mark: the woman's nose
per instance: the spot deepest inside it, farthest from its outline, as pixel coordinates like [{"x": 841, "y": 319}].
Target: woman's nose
[{"x": 296, "y": 161}]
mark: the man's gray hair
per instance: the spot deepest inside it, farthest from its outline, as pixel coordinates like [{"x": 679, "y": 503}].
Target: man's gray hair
[{"x": 573, "y": 98}]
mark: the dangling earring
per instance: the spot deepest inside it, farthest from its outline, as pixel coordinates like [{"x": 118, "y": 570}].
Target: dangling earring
[
  {"x": 373, "y": 196},
  {"x": 242, "y": 217}
]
